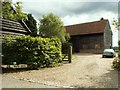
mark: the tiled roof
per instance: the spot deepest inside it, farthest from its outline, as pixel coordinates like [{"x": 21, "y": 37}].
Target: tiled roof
[
  {"x": 87, "y": 28},
  {"x": 14, "y": 26}
]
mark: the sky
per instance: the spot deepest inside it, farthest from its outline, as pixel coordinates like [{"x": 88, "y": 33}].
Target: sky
[{"x": 74, "y": 11}]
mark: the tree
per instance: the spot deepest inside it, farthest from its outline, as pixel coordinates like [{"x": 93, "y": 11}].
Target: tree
[
  {"x": 31, "y": 23},
  {"x": 9, "y": 12},
  {"x": 116, "y": 23},
  {"x": 51, "y": 26},
  {"x": 19, "y": 15},
  {"x": 14, "y": 12}
]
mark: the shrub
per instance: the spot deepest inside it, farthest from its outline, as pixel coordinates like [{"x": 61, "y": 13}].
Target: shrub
[
  {"x": 119, "y": 44},
  {"x": 119, "y": 54},
  {"x": 33, "y": 51},
  {"x": 7, "y": 50},
  {"x": 116, "y": 62}
]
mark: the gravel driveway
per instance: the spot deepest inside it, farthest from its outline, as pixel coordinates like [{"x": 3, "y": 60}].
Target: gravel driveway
[{"x": 88, "y": 71}]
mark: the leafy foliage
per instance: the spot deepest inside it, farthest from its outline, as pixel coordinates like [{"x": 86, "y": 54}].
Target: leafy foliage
[
  {"x": 7, "y": 50},
  {"x": 119, "y": 44},
  {"x": 13, "y": 12},
  {"x": 7, "y": 10},
  {"x": 33, "y": 51},
  {"x": 116, "y": 23},
  {"x": 31, "y": 23},
  {"x": 116, "y": 62},
  {"x": 51, "y": 26}
]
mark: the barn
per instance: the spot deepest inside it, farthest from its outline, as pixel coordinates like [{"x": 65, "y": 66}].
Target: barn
[
  {"x": 13, "y": 28},
  {"x": 90, "y": 37}
]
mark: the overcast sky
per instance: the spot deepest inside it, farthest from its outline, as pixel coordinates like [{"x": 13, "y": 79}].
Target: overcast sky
[{"x": 74, "y": 11}]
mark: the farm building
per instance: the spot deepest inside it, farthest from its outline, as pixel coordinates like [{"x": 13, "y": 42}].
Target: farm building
[
  {"x": 90, "y": 37},
  {"x": 13, "y": 28}
]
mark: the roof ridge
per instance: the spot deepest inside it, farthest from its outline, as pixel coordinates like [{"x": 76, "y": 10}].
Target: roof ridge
[{"x": 87, "y": 22}]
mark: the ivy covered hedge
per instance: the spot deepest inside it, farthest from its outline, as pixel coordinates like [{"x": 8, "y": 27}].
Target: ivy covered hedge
[
  {"x": 116, "y": 62},
  {"x": 33, "y": 51}
]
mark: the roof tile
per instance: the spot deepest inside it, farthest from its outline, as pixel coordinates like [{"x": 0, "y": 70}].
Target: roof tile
[{"x": 87, "y": 28}]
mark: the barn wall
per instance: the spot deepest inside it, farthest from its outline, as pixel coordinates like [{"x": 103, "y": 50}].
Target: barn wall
[
  {"x": 92, "y": 43},
  {"x": 107, "y": 37}
]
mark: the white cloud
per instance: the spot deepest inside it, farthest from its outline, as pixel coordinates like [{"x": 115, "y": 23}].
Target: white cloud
[{"x": 75, "y": 19}]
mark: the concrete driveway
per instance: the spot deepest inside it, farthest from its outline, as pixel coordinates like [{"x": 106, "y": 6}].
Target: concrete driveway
[{"x": 87, "y": 71}]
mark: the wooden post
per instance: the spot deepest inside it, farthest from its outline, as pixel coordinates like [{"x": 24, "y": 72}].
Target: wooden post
[{"x": 70, "y": 54}]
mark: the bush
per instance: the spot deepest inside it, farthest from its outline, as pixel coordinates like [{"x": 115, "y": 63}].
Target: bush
[
  {"x": 33, "y": 51},
  {"x": 119, "y": 45},
  {"x": 7, "y": 50},
  {"x": 116, "y": 62},
  {"x": 119, "y": 54}
]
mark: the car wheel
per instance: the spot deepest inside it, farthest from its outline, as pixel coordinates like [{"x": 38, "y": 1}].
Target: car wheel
[
  {"x": 103, "y": 56},
  {"x": 113, "y": 56}
]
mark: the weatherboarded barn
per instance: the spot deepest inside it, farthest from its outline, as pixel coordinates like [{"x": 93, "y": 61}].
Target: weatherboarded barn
[
  {"x": 13, "y": 28},
  {"x": 91, "y": 37}
]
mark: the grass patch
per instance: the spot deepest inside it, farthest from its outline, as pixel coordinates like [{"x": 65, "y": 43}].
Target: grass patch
[
  {"x": 74, "y": 57},
  {"x": 66, "y": 57}
]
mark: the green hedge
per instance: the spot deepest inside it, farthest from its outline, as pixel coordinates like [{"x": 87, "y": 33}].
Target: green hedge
[
  {"x": 116, "y": 64},
  {"x": 34, "y": 51}
]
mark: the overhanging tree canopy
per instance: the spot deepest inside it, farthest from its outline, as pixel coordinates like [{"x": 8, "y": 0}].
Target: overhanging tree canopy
[
  {"x": 8, "y": 12},
  {"x": 14, "y": 12}
]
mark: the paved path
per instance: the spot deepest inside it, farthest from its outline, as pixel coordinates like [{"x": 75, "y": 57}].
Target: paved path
[{"x": 88, "y": 71}]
